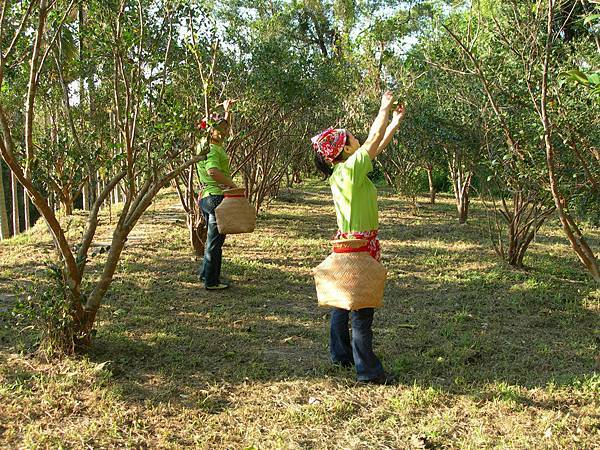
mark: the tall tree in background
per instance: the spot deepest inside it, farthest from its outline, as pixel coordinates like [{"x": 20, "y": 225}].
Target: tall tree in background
[{"x": 16, "y": 210}]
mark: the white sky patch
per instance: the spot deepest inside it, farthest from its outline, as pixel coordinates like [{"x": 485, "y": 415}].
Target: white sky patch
[{"x": 74, "y": 96}]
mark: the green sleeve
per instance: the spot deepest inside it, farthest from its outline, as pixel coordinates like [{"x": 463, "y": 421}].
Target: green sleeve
[{"x": 359, "y": 165}]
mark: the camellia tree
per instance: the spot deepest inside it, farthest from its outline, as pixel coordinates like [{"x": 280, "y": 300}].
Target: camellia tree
[
  {"x": 131, "y": 43},
  {"x": 453, "y": 119},
  {"x": 192, "y": 99},
  {"x": 519, "y": 52},
  {"x": 290, "y": 83}
]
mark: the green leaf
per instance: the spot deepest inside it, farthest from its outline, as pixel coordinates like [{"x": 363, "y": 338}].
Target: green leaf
[
  {"x": 594, "y": 78},
  {"x": 577, "y": 75},
  {"x": 589, "y": 19}
]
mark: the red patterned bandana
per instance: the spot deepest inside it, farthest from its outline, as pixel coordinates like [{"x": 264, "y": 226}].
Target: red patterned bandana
[{"x": 329, "y": 143}]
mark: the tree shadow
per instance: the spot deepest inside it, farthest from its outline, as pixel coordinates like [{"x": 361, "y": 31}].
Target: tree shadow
[
  {"x": 166, "y": 339},
  {"x": 454, "y": 318},
  {"x": 301, "y": 197}
]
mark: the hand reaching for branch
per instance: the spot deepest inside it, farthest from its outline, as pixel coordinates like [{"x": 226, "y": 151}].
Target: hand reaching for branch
[
  {"x": 398, "y": 114},
  {"x": 386, "y": 100},
  {"x": 227, "y": 103}
]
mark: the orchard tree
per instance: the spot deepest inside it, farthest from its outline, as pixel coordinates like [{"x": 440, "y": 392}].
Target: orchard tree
[
  {"x": 518, "y": 52},
  {"x": 126, "y": 35},
  {"x": 490, "y": 116}
]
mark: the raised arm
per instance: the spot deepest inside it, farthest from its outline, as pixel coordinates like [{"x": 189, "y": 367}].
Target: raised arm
[
  {"x": 228, "y": 117},
  {"x": 221, "y": 178},
  {"x": 379, "y": 125},
  {"x": 397, "y": 117}
]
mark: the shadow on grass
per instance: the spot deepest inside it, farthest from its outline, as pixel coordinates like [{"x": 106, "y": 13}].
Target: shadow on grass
[
  {"x": 456, "y": 331},
  {"x": 454, "y": 317},
  {"x": 300, "y": 197}
]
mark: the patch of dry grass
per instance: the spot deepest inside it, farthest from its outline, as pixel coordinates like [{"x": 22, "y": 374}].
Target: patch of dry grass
[{"x": 487, "y": 357}]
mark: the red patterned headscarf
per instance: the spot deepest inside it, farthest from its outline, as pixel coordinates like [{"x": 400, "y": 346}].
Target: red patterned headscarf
[
  {"x": 213, "y": 120},
  {"x": 329, "y": 143}
]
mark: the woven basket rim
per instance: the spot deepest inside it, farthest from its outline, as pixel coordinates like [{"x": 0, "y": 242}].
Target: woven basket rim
[
  {"x": 349, "y": 243},
  {"x": 234, "y": 191}
]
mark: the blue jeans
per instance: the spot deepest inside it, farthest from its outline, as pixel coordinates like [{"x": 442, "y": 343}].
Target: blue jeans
[
  {"x": 359, "y": 351},
  {"x": 210, "y": 269}
]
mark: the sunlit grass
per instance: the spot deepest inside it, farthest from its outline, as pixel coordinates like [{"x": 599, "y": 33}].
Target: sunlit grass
[{"x": 487, "y": 357}]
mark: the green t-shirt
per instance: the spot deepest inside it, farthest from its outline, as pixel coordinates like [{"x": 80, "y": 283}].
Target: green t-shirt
[
  {"x": 216, "y": 159},
  {"x": 354, "y": 195}
]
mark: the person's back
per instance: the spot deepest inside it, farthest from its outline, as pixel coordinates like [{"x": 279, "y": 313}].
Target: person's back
[{"x": 354, "y": 194}]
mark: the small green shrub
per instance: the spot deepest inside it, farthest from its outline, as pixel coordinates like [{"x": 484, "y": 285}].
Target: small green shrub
[{"x": 46, "y": 309}]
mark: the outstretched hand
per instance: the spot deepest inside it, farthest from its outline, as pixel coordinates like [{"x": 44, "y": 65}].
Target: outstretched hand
[
  {"x": 227, "y": 103},
  {"x": 387, "y": 100},
  {"x": 399, "y": 113}
]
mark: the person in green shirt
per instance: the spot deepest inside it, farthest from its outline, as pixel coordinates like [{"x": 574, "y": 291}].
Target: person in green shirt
[
  {"x": 346, "y": 162},
  {"x": 215, "y": 175}
]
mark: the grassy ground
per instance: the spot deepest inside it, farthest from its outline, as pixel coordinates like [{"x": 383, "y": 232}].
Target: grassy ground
[{"x": 487, "y": 357}]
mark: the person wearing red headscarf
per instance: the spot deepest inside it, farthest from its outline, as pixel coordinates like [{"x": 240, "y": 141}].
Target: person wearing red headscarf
[{"x": 341, "y": 157}]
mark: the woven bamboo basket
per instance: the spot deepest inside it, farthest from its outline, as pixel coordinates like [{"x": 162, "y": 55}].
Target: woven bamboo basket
[
  {"x": 235, "y": 214},
  {"x": 350, "y": 278}
]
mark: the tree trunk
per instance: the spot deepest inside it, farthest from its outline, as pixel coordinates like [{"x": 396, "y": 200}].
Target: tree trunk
[
  {"x": 432, "y": 190},
  {"x": 85, "y": 319},
  {"x": 463, "y": 208},
  {"x": 52, "y": 201},
  {"x": 26, "y": 209},
  {"x": 288, "y": 179},
  {"x": 15, "y": 205},
  {"x": 461, "y": 185},
  {"x": 4, "y": 227},
  {"x": 68, "y": 207},
  {"x": 197, "y": 232},
  {"x": 93, "y": 185},
  {"x": 524, "y": 218},
  {"x": 576, "y": 238},
  {"x": 67, "y": 201},
  {"x": 86, "y": 196}
]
